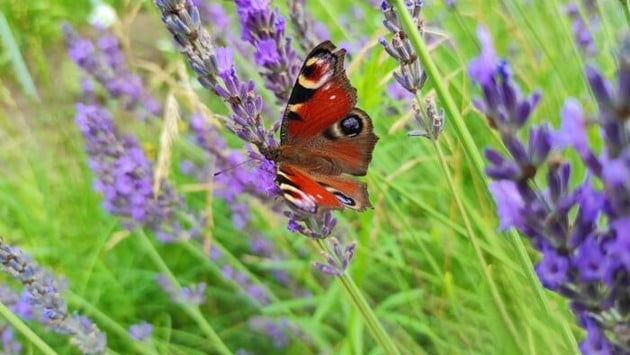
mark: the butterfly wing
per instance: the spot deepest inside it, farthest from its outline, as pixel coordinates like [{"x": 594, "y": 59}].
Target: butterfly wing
[
  {"x": 321, "y": 119},
  {"x": 310, "y": 193}
]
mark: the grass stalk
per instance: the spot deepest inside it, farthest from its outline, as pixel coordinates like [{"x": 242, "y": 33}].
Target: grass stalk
[
  {"x": 21, "y": 327},
  {"x": 361, "y": 305},
  {"x": 192, "y": 311}
]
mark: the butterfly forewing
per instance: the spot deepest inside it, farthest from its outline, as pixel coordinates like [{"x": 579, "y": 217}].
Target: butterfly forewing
[{"x": 322, "y": 94}]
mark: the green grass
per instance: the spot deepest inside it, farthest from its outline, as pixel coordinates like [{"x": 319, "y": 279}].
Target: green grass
[{"x": 429, "y": 265}]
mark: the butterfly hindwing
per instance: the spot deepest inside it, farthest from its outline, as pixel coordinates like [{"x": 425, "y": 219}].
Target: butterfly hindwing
[{"x": 310, "y": 192}]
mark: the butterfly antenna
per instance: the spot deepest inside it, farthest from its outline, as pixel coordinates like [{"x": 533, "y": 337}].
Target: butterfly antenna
[{"x": 233, "y": 167}]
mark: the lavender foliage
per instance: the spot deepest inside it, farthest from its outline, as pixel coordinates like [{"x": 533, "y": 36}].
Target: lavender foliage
[
  {"x": 44, "y": 297},
  {"x": 581, "y": 231}
]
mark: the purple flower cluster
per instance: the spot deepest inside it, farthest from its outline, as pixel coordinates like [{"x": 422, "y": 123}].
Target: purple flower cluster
[
  {"x": 583, "y": 31},
  {"x": 10, "y": 345},
  {"x": 277, "y": 330},
  {"x": 582, "y": 232},
  {"x": 309, "y": 31},
  {"x": 124, "y": 176},
  {"x": 182, "y": 19},
  {"x": 411, "y": 76},
  {"x": 337, "y": 263},
  {"x": 265, "y": 30},
  {"x": 44, "y": 299},
  {"x": 255, "y": 292},
  {"x": 141, "y": 331},
  {"x": 107, "y": 66},
  {"x": 191, "y": 295},
  {"x": 317, "y": 228},
  {"x": 234, "y": 179}
]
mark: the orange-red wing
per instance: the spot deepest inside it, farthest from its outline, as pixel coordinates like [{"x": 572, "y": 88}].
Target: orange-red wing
[
  {"x": 314, "y": 192},
  {"x": 321, "y": 96}
]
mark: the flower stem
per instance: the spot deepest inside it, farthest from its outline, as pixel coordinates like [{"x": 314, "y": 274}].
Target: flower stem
[
  {"x": 192, "y": 311},
  {"x": 357, "y": 299},
  {"x": 19, "y": 325},
  {"x": 473, "y": 153},
  {"x": 110, "y": 324}
]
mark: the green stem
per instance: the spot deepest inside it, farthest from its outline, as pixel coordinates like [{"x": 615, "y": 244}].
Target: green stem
[
  {"x": 473, "y": 154},
  {"x": 25, "y": 330},
  {"x": 533, "y": 280},
  {"x": 192, "y": 311},
  {"x": 108, "y": 323},
  {"x": 625, "y": 5},
  {"x": 357, "y": 299}
]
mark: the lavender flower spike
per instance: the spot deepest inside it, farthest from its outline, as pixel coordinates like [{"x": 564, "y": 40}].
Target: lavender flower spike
[
  {"x": 107, "y": 66},
  {"x": 124, "y": 175},
  {"x": 141, "y": 331},
  {"x": 265, "y": 30},
  {"x": 45, "y": 298},
  {"x": 337, "y": 263},
  {"x": 411, "y": 75},
  {"x": 212, "y": 66},
  {"x": 586, "y": 258}
]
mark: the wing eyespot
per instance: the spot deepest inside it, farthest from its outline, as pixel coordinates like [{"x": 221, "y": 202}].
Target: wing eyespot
[{"x": 351, "y": 126}]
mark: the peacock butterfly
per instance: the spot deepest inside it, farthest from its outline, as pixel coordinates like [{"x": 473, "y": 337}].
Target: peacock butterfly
[{"x": 323, "y": 138}]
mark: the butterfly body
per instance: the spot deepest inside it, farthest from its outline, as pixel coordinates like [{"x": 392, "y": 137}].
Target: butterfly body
[{"x": 323, "y": 138}]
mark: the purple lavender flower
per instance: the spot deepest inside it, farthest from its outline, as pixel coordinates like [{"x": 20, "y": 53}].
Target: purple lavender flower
[
  {"x": 582, "y": 30},
  {"x": 584, "y": 256},
  {"x": 314, "y": 227},
  {"x": 10, "y": 345},
  {"x": 44, "y": 296},
  {"x": 141, "y": 331},
  {"x": 397, "y": 92},
  {"x": 193, "y": 294},
  {"x": 256, "y": 293},
  {"x": 108, "y": 67},
  {"x": 411, "y": 75},
  {"x": 234, "y": 179},
  {"x": 309, "y": 31},
  {"x": 212, "y": 14},
  {"x": 337, "y": 263},
  {"x": 265, "y": 30},
  {"x": 124, "y": 176},
  {"x": 277, "y": 330}
]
